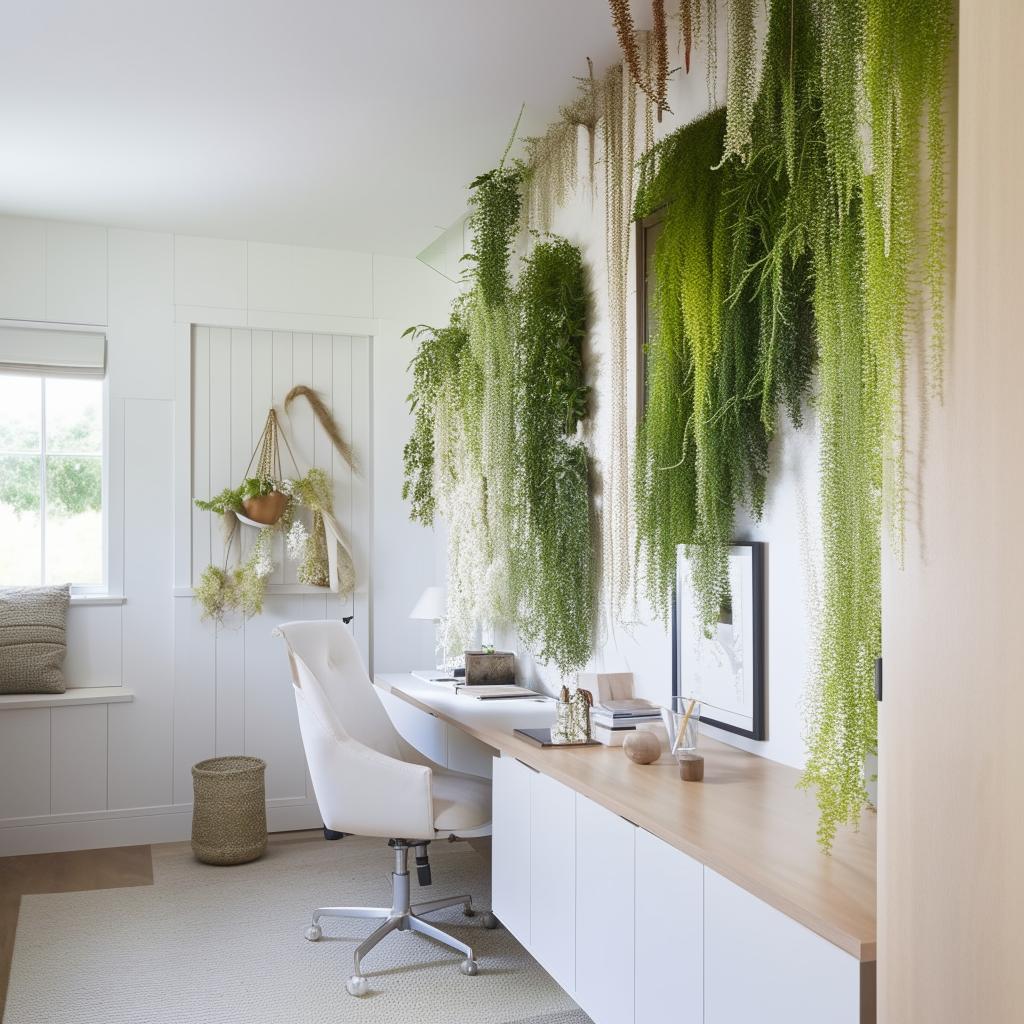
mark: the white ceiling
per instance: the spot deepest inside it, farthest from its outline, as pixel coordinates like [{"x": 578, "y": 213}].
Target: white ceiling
[{"x": 321, "y": 122}]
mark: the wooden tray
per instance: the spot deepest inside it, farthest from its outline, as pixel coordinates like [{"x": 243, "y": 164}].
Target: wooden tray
[{"x": 542, "y": 738}]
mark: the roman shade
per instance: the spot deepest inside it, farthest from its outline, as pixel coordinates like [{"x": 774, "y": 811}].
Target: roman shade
[{"x": 52, "y": 352}]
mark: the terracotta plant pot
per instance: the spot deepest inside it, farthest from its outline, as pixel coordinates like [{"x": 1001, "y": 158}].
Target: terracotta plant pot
[{"x": 266, "y": 510}]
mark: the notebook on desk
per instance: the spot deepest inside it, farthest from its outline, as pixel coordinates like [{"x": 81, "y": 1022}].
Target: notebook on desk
[{"x": 484, "y": 691}]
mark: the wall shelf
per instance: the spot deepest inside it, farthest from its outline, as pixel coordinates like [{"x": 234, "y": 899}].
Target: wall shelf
[{"x": 71, "y": 696}]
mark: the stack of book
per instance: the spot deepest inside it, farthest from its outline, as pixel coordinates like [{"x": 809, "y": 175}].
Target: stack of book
[{"x": 614, "y": 720}]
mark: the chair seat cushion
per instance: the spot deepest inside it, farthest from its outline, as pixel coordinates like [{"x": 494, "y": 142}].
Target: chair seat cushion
[{"x": 461, "y": 802}]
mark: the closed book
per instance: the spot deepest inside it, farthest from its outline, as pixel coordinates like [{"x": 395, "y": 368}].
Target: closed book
[
  {"x": 628, "y": 706},
  {"x": 623, "y": 720}
]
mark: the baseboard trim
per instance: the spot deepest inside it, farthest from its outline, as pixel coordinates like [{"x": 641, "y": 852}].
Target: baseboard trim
[{"x": 133, "y": 826}]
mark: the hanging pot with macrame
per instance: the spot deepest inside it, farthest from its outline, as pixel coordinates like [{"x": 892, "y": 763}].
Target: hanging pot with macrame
[
  {"x": 267, "y": 505},
  {"x": 268, "y": 501}
]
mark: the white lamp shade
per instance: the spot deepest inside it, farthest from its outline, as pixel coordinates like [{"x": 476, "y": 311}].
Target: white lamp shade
[{"x": 431, "y": 605}]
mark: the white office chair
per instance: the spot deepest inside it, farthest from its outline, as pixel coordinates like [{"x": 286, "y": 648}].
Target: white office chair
[{"x": 370, "y": 782}]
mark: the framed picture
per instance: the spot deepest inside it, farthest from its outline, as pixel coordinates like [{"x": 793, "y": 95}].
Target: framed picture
[{"x": 726, "y": 669}]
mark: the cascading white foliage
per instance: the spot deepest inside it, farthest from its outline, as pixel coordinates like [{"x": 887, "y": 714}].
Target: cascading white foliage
[{"x": 618, "y": 133}]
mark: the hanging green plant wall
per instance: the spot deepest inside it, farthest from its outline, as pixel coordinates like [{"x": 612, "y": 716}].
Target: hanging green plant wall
[
  {"x": 554, "y": 564},
  {"x": 497, "y": 397},
  {"x": 722, "y": 358},
  {"x": 792, "y": 249}
]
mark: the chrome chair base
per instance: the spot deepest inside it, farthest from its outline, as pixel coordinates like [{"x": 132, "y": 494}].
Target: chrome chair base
[{"x": 401, "y": 916}]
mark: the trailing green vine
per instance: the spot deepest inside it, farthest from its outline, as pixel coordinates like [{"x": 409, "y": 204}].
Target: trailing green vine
[
  {"x": 551, "y": 159},
  {"x": 742, "y": 83},
  {"x": 733, "y": 341},
  {"x": 554, "y": 558},
  {"x": 906, "y": 61},
  {"x": 444, "y": 462}
]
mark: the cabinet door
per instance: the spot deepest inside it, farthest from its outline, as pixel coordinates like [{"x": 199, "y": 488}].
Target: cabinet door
[
  {"x": 669, "y": 933},
  {"x": 510, "y": 846},
  {"x": 761, "y": 965},
  {"x": 426, "y": 732},
  {"x": 552, "y": 878},
  {"x": 605, "y": 874}
]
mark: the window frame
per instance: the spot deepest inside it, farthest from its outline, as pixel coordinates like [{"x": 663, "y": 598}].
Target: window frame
[
  {"x": 80, "y": 590},
  {"x": 647, "y": 229}
]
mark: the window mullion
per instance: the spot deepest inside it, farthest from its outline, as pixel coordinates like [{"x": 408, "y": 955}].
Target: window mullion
[{"x": 42, "y": 481}]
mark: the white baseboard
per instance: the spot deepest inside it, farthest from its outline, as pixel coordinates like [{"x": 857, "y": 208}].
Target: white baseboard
[{"x": 132, "y": 827}]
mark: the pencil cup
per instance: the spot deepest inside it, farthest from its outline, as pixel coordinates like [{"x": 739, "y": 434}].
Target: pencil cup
[{"x": 683, "y": 722}]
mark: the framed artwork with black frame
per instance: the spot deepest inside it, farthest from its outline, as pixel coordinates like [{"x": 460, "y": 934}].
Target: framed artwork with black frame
[{"x": 726, "y": 670}]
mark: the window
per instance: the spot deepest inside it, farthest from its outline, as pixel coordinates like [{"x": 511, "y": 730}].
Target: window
[
  {"x": 51, "y": 480},
  {"x": 647, "y": 232}
]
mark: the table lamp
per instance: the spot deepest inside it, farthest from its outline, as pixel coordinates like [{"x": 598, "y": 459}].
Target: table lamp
[{"x": 433, "y": 606}]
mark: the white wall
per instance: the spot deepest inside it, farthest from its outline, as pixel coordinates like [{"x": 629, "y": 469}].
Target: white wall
[
  {"x": 645, "y": 647},
  {"x": 109, "y": 774}
]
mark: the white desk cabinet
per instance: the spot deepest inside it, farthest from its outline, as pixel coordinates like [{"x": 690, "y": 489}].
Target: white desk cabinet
[
  {"x": 760, "y": 965},
  {"x": 553, "y": 878},
  {"x": 605, "y": 908},
  {"x": 510, "y": 847},
  {"x": 669, "y": 933}
]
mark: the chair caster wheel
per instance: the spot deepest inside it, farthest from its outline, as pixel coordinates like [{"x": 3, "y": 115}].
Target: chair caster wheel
[
  {"x": 468, "y": 911},
  {"x": 468, "y": 967},
  {"x": 490, "y": 921},
  {"x": 357, "y": 985},
  {"x": 314, "y": 933}
]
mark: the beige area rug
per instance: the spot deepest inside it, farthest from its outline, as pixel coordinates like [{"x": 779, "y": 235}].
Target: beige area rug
[{"x": 206, "y": 945}]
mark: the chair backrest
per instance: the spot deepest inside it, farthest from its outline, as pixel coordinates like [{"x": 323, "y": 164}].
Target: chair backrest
[{"x": 328, "y": 674}]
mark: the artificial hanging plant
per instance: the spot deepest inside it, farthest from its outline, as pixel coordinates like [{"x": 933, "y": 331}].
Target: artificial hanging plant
[
  {"x": 551, "y": 172},
  {"x": 618, "y": 134},
  {"x": 443, "y": 462},
  {"x": 554, "y": 566},
  {"x": 497, "y": 396},
  {"x": 720, "y": 361},
  {"x": 321, "y": 550},
  {"x": 650, "y": 75},
  {"x": 496, "y": 205}
]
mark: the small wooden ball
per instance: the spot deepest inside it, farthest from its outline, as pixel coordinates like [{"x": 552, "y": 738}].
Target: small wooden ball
[{"x": 642, "y": 747}]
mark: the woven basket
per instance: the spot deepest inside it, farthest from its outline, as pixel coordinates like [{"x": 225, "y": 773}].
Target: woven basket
[{"x": 229, "y": 816}]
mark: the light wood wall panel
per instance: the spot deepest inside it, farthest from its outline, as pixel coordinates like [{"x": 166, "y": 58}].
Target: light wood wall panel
[{"x": 951, "y": 835}]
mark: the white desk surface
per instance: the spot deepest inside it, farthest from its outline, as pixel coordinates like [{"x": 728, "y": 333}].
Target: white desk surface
[
  {"x": 468, "y": 713},
  {"x": 747, "y": 820}
]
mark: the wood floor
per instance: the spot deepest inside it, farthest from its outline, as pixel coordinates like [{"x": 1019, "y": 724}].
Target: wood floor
[{"x": 77, "y": 871}]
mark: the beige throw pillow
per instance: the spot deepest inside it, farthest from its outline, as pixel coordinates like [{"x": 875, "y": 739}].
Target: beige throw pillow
[{"x": 33, "y": 640}]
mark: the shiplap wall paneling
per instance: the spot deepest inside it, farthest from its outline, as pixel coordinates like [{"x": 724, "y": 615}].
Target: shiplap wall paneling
[
  {"x": 25, "y": 762},
  {"x": 271, "y": 721},
  {"x": 141, "y": 733},
  {"x": 360, "y": 522},
  {"x": 230, "y": 645},
  {"x": 236, "y": 674},
  {"x": 94, "y": 645},
  {"x": 195, "y": 675},
  {"x": 202, "y": 522},
  {"x": 78, "y": 759},
  {"x": 237, "y": 375}
]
